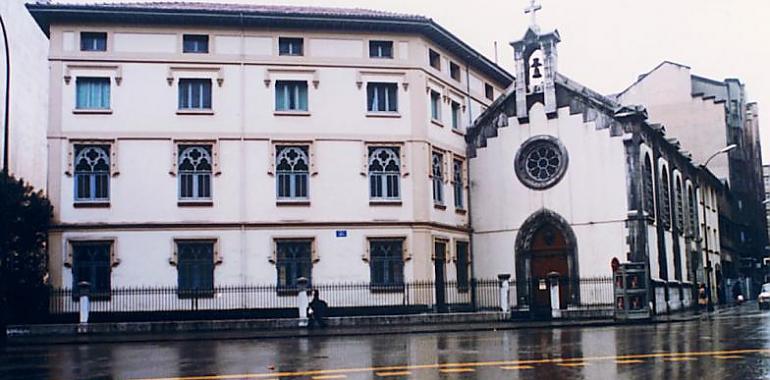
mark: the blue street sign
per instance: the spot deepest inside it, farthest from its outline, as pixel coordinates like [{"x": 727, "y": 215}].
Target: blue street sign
[{"x": 342, "y": 233}]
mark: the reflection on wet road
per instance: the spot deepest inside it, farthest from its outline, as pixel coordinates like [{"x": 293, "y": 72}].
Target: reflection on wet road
[{"x": 733, "y": 346}]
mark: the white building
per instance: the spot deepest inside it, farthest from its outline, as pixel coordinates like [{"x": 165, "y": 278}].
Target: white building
[
  {"x": 28, "y": 116},
  {"x": 201, "y": 145},
  {"x": 565, "y": 181}
]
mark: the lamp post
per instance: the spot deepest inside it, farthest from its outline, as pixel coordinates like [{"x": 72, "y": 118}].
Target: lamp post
[
  {"x": 6, "y": 126},
  {"x": 705, "y": 226}
]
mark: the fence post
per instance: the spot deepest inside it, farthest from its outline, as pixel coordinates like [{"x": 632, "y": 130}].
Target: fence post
[
  {"x": 505, "y": 290},
  {"x": 553, "y": 278},
  {"x": 84, "y": 293},
  {"x": 302, "y": 301}
]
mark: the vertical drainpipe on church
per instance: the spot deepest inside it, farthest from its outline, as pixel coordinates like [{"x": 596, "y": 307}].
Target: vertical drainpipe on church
[{"x": 471, "y": 248}]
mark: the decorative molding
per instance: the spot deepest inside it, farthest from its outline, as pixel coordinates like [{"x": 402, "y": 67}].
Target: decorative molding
[
  {"x": 173, "y": 72},
  {"x": 117, "y": 75}
]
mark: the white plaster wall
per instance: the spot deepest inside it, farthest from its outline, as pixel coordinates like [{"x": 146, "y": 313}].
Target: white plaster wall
[
  {"x": 698, "y": 124},
  {"x": 144, "y": 126},
  {"x": 591, "y": 196},
  {"x": 29, "y": 94},
  {"x": 145, "y": 42}
]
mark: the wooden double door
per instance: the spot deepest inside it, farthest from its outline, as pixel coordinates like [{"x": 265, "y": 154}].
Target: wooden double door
[{"x": 549, "y": 258}]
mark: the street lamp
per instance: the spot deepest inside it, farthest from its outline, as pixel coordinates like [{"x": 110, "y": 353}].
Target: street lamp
[
  {"x": 705, "y": 225},
  {"x": 6, "y": 127}
]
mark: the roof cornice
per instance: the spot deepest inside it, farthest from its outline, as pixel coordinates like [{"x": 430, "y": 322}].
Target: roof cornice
[{"x": 47, "y": 14}]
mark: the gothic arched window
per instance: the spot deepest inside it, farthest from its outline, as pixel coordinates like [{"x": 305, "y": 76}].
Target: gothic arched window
[
  {"x": 292, "y": 167},
  {"x": 437, "y": 168},
  {"x": 384, "y": 173},
  {"x": 648, "y": 189},
  {"x": 679, "y": 205},
  {"x": 665, "y": 192},
  {"x": 92, "y": 173},
  {"x": 195, "y": 172},
  {"x": 691, "y": 210}
]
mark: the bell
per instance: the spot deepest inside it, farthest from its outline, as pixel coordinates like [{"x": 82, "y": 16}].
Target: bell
[{"x": 536, "y": 68}]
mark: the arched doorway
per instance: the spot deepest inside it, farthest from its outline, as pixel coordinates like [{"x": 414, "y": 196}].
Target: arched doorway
[{"x": 546, "y": 247}]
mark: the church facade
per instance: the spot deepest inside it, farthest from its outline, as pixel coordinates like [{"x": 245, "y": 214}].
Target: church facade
[{"x": 565, "y": 181}]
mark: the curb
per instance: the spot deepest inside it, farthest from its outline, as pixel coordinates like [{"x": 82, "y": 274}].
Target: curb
[{"x": 233, "y": 334}]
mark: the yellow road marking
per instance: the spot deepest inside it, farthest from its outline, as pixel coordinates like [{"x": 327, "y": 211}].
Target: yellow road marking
[
  {"x": 517, "y": 367},
  {"x": 571, "y": 364},
  {"x": 329, "y": 377},
  {"x": 456, "y": 370},
  {"x": 393, "y": 373},
  {"x": 727, "y": 357},
  {"x": 629, "y": 361},
  {"x": 685, "y": 359},
  {"x": 468, "y": 364}
]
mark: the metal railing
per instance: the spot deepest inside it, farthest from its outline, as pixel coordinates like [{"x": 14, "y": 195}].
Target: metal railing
[{"x": 265, "y": 301}]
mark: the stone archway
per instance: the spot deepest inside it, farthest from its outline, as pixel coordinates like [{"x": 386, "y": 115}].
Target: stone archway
[{"x": 545, "y": 244}]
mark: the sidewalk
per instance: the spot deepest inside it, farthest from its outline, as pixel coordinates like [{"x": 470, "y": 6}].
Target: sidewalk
[{"x": 288, "y": 328}]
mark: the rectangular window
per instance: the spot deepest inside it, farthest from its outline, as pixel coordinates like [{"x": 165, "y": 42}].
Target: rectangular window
[
  {"x": 384, "y": 173},
  {"x": 291, "y": 164},
  {"x": 382, "y": 97},
  {"x": 92, "y": 173},
  {"x": 290, "y": 95},
  {"x": 195, "y": 268},
  {"x": 454, "y": 71},
  {"x": 438, "y": 178},
  {"x": 93, "y": 41},
  {"x": 461, "y": 263},
  {"x": 195, "y": 43},
  {"x": 386, "y": 264},
  {"x": 91, "y": 263},
  {"x": 380, "y": 49},
  {"x": 195, "y": 94},
  {"x": 195, "y": 164},
  {"x": 290, "y": 46},
  {"x": 293, "y": 260},
  {"x": 457, "y": 172},
  {"x": 435, "y": 105},
  {"x": 434, "y": 59},
  {"x": 489, "y": 91},
  {"x": 456, "y": 115},
  {"x": 92, "y": 93}
]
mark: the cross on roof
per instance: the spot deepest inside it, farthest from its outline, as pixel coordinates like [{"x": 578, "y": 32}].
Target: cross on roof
[{"x": 533, "y": 8}]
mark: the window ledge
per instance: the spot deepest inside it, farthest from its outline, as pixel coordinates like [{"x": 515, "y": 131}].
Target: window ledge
[
  {"x": 105, "y": 204},
  {"x": 437, "y": 122},
  {"x": 291, "y": 113},
  {"x": 439, "y": 206},
  {"x": 380, "y": 57},
  {"x": 383, "y": 114},
  {"x": 384, "y": 203},
  {"x": 292, "y": 203},
  {"x": 92, "y": 111},
  {"x": 195, "y": 203},
  {"x": 458, "y": 131},
  {"x": 195, "y": 112},
  {"x": 461, "y": 211}
]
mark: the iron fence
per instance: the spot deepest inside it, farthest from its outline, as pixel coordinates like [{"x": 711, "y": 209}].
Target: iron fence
[
  {"x": 262, "y": 301},
  {"x": 344, "y": 299}
]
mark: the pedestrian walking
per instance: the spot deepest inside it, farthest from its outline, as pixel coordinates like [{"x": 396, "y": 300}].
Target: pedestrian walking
[
  {"x": 317, "y": 310},
  {"x": 737, "y": 293},
  {"x": 702, "y": 296}
]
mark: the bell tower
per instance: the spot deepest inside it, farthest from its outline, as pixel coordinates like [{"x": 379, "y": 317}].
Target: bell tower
[{"x": 535, "y": 57}]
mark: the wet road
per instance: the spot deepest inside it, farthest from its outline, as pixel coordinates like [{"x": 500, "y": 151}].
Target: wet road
[{"x": 733, "y": 345}]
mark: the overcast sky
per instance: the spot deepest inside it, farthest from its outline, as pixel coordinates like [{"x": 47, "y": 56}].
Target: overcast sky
[{"x": 606, "y": 44}]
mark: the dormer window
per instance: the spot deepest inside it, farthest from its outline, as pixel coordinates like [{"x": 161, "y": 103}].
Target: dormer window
[
  {"x": 195, "y": 43},
  {"x": 290, "y": 46},
  {"x": 93, "y": 41}
]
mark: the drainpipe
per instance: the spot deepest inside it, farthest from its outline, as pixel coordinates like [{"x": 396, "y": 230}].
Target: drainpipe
[
  {"x": 468, "y": 170},
  {"x": 6, "y": 126}
]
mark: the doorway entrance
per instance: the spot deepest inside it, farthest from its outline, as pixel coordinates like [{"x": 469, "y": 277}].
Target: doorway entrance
[
  {"x": 549, "y": 259},
  {"x": 546, "y": 249}
]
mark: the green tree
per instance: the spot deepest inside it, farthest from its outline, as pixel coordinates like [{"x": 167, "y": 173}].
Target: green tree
[{"x": 25, "y": 215}]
